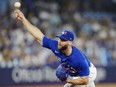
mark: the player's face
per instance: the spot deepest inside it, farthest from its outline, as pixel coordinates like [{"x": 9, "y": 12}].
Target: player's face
[{"x": 62, "y": 44}]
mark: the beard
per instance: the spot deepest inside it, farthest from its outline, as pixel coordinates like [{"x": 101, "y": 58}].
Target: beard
[{"x": 63, "y": 48}]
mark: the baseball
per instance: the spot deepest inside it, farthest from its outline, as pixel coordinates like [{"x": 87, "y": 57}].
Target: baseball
[{"x": 17, "y": 4}]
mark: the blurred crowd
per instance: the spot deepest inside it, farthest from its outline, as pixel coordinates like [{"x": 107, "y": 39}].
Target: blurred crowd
[{"x": 95, "y": 31}]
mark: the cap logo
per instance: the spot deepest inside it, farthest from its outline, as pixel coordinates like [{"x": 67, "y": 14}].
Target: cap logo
[{"x": 64, "y": 33}]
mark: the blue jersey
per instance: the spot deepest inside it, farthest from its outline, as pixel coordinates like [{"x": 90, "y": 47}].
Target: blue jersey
[{"x": 77, "y": 60}]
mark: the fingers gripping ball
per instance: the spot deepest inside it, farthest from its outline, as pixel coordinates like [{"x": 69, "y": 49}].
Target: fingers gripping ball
[{"x": 62, "y": 72}]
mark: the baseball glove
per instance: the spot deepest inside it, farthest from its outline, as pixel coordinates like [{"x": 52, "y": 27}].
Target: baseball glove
[{"x": 62, "y": 72}]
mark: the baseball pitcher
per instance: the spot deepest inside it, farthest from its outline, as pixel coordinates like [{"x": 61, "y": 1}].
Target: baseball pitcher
[{"x": 75, "y": 68}]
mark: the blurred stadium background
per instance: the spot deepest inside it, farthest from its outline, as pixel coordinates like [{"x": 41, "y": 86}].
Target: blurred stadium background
[{"x": 24, "y": 62}]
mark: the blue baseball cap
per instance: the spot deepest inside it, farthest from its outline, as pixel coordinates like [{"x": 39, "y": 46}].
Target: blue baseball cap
[{"x": 66, "y": 35}]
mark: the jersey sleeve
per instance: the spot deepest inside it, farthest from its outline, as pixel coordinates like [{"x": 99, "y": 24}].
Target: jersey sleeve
[{"x": 48, "y": 43}]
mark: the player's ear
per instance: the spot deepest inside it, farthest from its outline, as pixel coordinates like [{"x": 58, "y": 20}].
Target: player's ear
[{"x": 70, "y": 43}]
